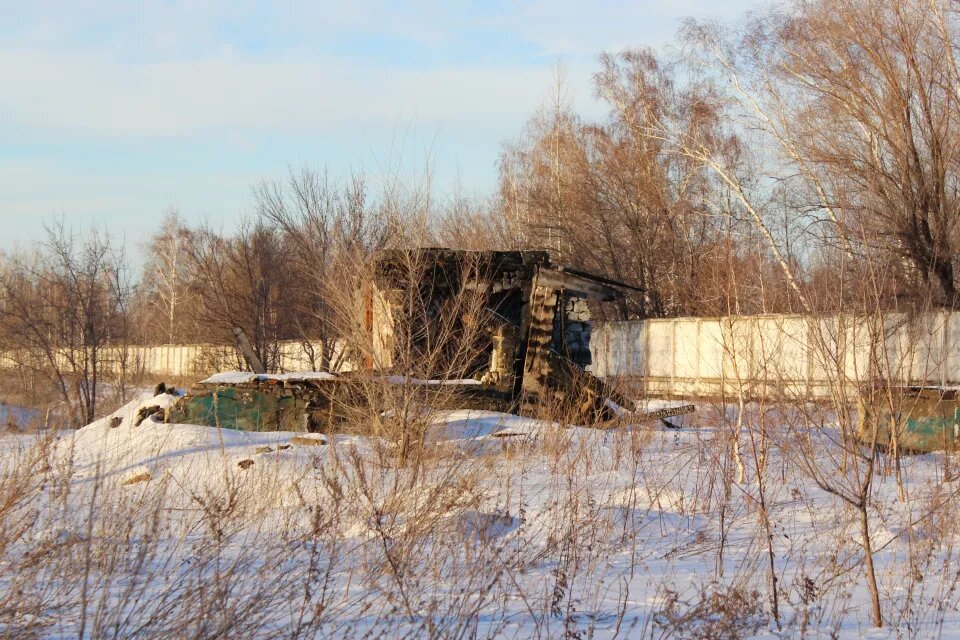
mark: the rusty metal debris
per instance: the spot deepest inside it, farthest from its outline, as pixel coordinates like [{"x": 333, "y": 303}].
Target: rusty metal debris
[{"x": 258, "y": 402}]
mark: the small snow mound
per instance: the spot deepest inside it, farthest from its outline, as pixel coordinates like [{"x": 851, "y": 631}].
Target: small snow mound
[
  {"x": 469, "y": 424},
  {"x": 125, "y": 417},
  {"x": 191, "y": 454}
]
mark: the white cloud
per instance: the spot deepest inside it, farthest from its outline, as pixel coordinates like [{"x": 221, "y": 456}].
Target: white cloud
[
  {"x": 95, "y": 94},
  {"x": 570, "y": 27},
  {"x": 240, "y": 88},
  {"x": 172, "y": 68}
]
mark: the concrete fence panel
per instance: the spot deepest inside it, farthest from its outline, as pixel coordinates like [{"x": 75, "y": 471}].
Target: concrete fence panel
[
  {"x": 177, "y": 360},
  {"x": 780, "y": 354}
]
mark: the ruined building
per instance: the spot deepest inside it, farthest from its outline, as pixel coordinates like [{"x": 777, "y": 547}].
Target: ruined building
[
  {"x": 516, "y": 326},
  {"x": 536, "y": 315}
]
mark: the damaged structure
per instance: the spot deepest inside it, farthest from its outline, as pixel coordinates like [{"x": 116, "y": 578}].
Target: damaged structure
[
  {"x": 536, "y": 315},
  {"x": 528, "y": 322}
]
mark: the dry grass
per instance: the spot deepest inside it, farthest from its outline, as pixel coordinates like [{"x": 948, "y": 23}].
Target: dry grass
[{"x": 568, "y": 534}]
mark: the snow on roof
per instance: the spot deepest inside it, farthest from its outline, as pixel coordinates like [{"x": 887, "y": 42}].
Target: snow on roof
[
  {"x": 230, "y": 377},
  {"x": 244, "y": 377},
  {"x": 304, "y": 375}
]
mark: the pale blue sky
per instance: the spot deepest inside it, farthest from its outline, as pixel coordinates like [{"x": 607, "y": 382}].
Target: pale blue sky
[{"x": 110, "y": 112}]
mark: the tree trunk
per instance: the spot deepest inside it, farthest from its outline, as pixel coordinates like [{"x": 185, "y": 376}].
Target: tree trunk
[
  {"x": 944, "y": 273},
  {"x": 871, "y": 575}
]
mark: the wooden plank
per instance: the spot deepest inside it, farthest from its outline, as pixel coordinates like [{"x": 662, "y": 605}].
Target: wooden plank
[
  {"x": 554, "y": 279},
  {"x": 668, "y": 412}
]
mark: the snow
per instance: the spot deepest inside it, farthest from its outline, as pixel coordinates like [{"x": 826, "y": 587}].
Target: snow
[
  {"x": 469, "y": 424},
  {"x": 245, "y": 377},
  {"x": 232, "y": 377},
  {"x": 511, "y": 527}
]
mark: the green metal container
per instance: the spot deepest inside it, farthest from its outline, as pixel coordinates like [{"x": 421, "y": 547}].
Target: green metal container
[
  {"x": 924, "y": 419},
  {"x": 245, "y": 409}
]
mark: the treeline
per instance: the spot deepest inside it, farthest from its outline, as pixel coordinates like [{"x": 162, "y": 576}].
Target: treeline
[{"x": 803, "y": 159}]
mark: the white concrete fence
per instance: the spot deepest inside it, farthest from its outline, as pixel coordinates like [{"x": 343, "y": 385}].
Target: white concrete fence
[
  {"x": 789, "y": 355},
  {"x": 181, "y": 360}
]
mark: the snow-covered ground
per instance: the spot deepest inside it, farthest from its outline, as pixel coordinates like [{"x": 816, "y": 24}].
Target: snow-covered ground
[{"x": 506, "y": 527}]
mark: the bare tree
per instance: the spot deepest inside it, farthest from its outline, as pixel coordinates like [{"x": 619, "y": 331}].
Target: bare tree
[
  {"x": 618, "y": 198},
  {"x": 165, "y": 284},
  {"x": 61, "y": 308},
  {"x": 244, "y": 281},
  {"x": 331, "y": 228},
  {"x": 860, "y": 100}
]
